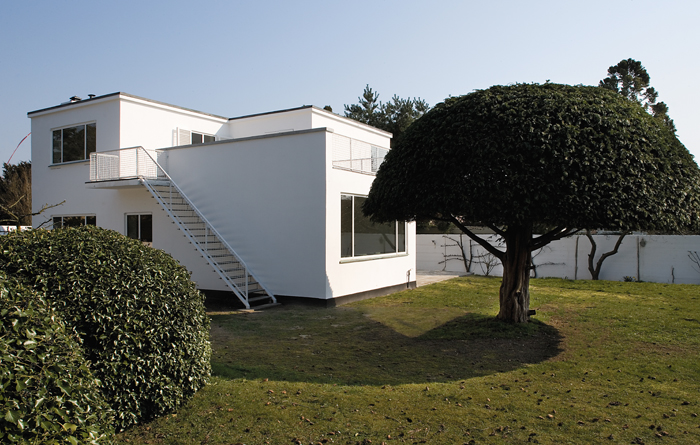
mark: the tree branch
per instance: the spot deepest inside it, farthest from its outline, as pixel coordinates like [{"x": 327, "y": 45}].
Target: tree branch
[
  {"x": 482, "y": 242},
  {"x": 595, "y": 272},
  {"x": 16, "y": 219},
  {"x": 493, "y": 227},
  {"x": 558, "y": 233}
]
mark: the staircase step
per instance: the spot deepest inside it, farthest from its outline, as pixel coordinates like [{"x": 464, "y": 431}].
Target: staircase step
[
  {"x": 209, "y": 245},
  {"x": 254, "y": 299},
  {"x": 265, "y": 306}
]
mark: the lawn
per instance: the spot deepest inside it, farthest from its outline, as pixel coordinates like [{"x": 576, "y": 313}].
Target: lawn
[{"x": 602, "y": 362}]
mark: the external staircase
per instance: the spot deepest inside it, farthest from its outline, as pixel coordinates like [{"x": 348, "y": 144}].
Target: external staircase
[{"x": 195, "y": 227}]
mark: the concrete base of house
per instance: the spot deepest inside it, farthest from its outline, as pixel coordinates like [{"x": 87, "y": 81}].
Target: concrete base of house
[
  {"x": 345, "y": 299},
  {"x": 220, "y": 300}
]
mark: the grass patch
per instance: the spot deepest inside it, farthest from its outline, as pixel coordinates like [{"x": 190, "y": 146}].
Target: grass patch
[{"x": 602, "y": 362}]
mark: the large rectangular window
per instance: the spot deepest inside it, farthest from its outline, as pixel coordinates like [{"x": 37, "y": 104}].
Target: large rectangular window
[
  {"x": 74, "y": 143},
  {"x": 361, "y": 237},
  {"x": 140, "y": 227},
  {"x": 74, "y": 221}
]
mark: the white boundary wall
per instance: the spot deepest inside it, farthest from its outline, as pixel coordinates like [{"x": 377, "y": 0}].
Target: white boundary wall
[{"x": 656, "y": 258}]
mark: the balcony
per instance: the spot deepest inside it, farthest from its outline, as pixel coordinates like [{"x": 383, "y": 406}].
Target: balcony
[
  {"x": 123, "y": 168},
  {"x": 357, "y": 156}
]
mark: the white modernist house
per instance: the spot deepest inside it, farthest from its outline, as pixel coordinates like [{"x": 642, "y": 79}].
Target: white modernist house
[{"x": 264, "y": 206}]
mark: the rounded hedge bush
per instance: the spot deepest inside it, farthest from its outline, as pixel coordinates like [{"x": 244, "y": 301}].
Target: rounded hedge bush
[
  {"x": 47, "y": 393},
  {"x": 141, "y": 321}
]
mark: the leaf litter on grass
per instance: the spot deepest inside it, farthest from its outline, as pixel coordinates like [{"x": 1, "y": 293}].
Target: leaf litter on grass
[{"x": 432, "y": 365}]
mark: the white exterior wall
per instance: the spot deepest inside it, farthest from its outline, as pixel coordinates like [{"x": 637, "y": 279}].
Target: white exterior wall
[
  {"x": 270, "y": 123},
  {"x": 306, "y": 119},
  {"x": 153, "y": 125},
  {"x": 655, "y": 258},
  {"x": 285, "y": 219},
  {"x": 274, "y": 197},
  {"x": 350, "y": 276},
  {"x": 266, "y": 196},
  {"x": 52, "y": 184},
  {"x": 350, "y": 128}
]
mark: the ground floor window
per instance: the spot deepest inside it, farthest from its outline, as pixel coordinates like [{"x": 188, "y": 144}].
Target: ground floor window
[
  {"x": 361, "y": 237},
  {"x": 140, "y": 227},
  {"x": 74, "y": 221}
]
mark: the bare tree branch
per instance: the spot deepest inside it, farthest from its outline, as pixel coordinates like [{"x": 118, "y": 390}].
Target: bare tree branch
[
  {"x": 595, "y": 271},
  {"x": 15, "y": 219},
  {"x": 482, "y": 242},
  {"x": 558, "y": 233}
]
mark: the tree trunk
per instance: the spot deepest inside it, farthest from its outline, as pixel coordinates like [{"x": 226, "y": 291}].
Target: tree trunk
[
  {"x": 595, "y": 271},
  {"x": 515, "y": 288}
]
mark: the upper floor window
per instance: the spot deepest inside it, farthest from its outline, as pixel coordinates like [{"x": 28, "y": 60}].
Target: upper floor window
[
  {"x": 74, "y": 143},
  {"x": 187, "y": 137},
  {"x": 199, "y": 138}
]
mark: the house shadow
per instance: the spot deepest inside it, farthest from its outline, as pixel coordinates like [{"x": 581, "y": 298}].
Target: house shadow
[{"x": 347, "y": 346}]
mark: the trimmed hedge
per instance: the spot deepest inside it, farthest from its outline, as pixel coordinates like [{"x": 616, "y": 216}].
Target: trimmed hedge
[
  {"x": 47, "y": 393},
  {"x": 141, "y": 321}
]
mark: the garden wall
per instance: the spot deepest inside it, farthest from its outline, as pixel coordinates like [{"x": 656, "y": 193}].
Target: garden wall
[{"x": 656, "y": 258}]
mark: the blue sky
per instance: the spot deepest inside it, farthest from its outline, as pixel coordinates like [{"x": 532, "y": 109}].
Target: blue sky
[{"x": 235, "y": 58}]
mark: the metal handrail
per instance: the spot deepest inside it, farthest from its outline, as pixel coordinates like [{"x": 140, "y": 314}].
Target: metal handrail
[
  {"x": 351, "y": 165},
  {"x": 209, "y": 226},
  {"x": 162, "y": 174}
]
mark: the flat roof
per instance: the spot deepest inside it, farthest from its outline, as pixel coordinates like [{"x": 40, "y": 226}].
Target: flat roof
[
  {"x": 117, "y": 94},
  {"x": 97, "y": 98}
]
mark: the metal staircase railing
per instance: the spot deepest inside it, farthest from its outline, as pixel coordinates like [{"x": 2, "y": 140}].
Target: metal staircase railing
[{"x": 198, "y": 230}]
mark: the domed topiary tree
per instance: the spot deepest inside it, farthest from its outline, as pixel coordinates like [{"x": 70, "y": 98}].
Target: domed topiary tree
[
  {"x": 47, "y": 392},
  {"x": 141, "y": 321},
  {"x": 549, "y": 156}
]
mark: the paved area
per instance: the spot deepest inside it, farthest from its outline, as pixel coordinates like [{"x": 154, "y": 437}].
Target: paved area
[{"x": 424, "y": 277}]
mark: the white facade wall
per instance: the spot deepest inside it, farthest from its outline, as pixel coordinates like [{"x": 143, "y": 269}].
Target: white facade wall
[
  {"x": 274, "y": 196},
  {"x": 266, "y": 197},
  {"x": 349, "y": 276},
  {"x": 52, "y": 184},
  {"x": 350, "y": 128},
  {"x": 306, "y": 118},
  {"x": 270, "y": 123},
  {"x": 153, "y": 125},
  {"x": 655, "y": 258}
]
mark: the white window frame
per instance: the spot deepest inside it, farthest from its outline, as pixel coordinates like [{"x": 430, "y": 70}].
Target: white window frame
[
  {"x": 184, "y": 136},
  {"x": 126, "y": 226},
  {"x": 203, "y": 135},
  {"x": 399, "y": 250},
  {"x": 86, "y": 153},
  {"x": 93, "y": 217}
]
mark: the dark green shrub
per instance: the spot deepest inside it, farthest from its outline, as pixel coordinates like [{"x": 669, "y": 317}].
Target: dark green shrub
[
  {"x": 141, "y": 320},
  {"x": 47, "y": 393}
]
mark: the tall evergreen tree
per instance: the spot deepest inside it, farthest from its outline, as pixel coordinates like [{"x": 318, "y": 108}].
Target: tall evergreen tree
[
  {"x": 631, "y": 79},
  {"x": 16, "y": 194},
  {"x": 394, "y": 116}
]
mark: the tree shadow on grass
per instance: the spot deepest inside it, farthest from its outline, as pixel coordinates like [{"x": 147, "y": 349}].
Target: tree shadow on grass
[{"x": 345, "y": 346}]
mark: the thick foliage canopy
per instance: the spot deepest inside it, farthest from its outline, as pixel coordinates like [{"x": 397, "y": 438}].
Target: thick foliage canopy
[
  {"x": 48, "y": 394},
  {"x": 551, "y": 155},
  {"x": 141, "y": 322}
]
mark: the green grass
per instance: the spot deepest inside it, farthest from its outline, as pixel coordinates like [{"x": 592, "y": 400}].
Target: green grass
[{"x": 602, "y": 362}]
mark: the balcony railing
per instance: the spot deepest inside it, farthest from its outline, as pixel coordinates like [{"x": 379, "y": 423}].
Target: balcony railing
[
  {"x": 358, "y": 156},
  {"x": 127, "y": 163}
]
